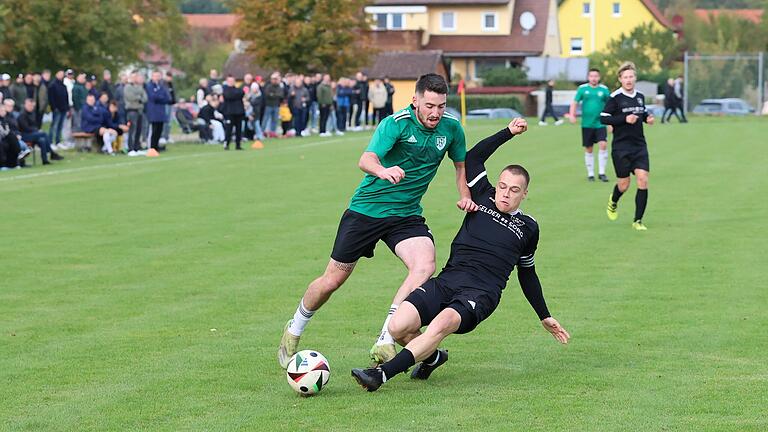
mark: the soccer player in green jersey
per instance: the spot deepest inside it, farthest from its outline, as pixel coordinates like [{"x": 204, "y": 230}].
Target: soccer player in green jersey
[
  {"x": 399, "y": 163},
  {"x": 593, "y": 97}
]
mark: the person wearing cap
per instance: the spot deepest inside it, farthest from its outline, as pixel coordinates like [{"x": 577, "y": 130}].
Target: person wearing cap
[
  {"x": 58, "y": 98},
  {"x": 94, "y": 86}
]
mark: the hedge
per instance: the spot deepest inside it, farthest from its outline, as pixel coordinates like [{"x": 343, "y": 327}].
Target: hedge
[{"x": 487, "y": 101}]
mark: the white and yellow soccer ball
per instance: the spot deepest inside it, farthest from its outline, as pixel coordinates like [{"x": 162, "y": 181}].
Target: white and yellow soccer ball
[{"x": 308, "y": 372}]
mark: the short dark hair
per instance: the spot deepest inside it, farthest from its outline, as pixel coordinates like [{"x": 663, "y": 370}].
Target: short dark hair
[
  {"x": 594, "y": 70},
  {"x": 519, "y": 170},
  {"x": 432, "y": 82}
]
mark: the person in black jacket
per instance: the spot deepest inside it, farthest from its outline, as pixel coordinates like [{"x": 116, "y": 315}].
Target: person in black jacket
[
  {"x": 58, "y": 98},
  {"x": 212, "y": 128},
  {"x": 361, "y": 92},
  {"x": 9, "y": 143},
  {"x": 234, "y": 112},
  {"x": 548, "y": 109},
  {"x": 30, "y": 132}
]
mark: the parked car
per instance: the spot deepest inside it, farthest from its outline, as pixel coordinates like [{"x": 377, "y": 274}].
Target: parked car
[
  {"x": 727, "y": 106},
  {"x": 493, "y": 113},
  {"x": 655, "y": 110}
]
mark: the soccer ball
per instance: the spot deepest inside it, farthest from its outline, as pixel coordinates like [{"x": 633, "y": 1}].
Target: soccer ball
[{"x": 308, "y": 372}]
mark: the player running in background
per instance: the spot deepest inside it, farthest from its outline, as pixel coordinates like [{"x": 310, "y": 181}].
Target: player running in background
[
  {"x": 400, "y": 162},
  {"x": 592, "y": 96},
  {"x": 489, "y": 244},
  {"x": 626, "y": 112}
]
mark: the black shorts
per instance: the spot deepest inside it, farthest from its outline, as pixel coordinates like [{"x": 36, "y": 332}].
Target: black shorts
[
  {"x": 474, "y": 305},
  {"x": 358, "y": 234},
  {"x": 590, "y": 136},
  {"x": 625, "y": 162}
]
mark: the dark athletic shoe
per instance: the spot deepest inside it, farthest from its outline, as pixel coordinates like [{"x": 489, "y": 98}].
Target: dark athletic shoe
[
  {"x": 423, "y": 370},
  {"x": 370, "y": 379},
  {"x": 591, "y": 178},
  {"x": 603, "y": 178}
]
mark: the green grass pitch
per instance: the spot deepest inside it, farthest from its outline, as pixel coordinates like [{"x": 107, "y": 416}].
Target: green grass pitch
[{"x": 150, "y": 294}]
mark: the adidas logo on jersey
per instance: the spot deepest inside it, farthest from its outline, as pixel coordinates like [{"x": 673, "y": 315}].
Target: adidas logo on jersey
[{"x": 412, "y": 140}]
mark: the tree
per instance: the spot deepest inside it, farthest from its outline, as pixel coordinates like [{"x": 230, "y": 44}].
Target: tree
[
  {"x": 656, "y": 53},
  {"x": 86, "y": 34},
  {"x": 305, "y": 35}
]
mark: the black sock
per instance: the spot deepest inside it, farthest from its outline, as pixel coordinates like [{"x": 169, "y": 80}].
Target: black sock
[
  {"x": 402, "y": 361},
  {"x": 616, "y": 194},
  {"x": 431, "y": 359},
  {"x": 641, "y": 199}
]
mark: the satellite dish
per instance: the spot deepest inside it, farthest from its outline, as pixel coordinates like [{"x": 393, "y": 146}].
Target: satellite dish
[{"x": 527, "y": 21}]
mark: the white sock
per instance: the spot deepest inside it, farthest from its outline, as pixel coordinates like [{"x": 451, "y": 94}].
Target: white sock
[
  {"x": 385, "y": 338},
  {"x": 589, "y": 161},
  {"x": 300, "y": 319},
  {"x": 602, "y": 159}
]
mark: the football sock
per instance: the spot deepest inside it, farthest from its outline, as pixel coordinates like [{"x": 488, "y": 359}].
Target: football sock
[
  {"x": 385, "y": 338},
  {"x": 432, "y": 360},
  {"x": 400, "y": 363},
  {"x": 641, "y": 199},
  {"x": 589, "y": 161},
  {"x": 616, "y": 194},
  {"x": 300, "y": 319},
  {"x": 602, "y": 159}
]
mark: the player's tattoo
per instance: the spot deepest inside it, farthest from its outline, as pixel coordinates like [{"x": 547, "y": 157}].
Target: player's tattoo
[{"x": 345, "y": 267}]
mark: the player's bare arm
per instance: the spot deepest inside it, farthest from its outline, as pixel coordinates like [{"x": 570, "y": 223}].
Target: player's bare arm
[
  {"x": 370, "y": 164},
  {"x": 465, "y": 202}
]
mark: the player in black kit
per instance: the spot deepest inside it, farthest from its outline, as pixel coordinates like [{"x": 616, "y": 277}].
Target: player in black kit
[
  {"x": 490, "y": 243},
  {"x": 626, "y": 112}
]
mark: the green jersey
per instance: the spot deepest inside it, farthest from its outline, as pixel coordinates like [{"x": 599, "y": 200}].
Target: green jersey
[
  {"x": 402, "y": 140},
  {"x": 592, "y": 100}
]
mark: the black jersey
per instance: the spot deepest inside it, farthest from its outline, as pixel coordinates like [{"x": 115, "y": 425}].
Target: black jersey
[
  {"x": 489, "y": 243},
  {"x": 621, "y": 104}
]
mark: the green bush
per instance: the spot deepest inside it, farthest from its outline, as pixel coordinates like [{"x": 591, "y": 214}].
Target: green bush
[
  {"x": 503, "y": 76},
  {"x": 487, "y": 101}
]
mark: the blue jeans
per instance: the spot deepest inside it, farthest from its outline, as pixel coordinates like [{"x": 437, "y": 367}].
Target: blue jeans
[
  {"x": 270, "y": 121},
  {"x": 256, "y": 126},
  {"x": 331, "y": 124},
  {"x": 41, "y": 139},
  {"x": 314, "y": 114},
  {"x": 341, "y": 118},
  {"x": 54, "y": 134}
]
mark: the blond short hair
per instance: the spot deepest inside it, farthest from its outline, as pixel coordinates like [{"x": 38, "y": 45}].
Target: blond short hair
[{"x": 627, "y": 66}]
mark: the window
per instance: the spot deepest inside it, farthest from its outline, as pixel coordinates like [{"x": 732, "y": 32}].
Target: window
[
  {"x": 389, "y": 21},
  {"x": 490, "y": 21},
  {"x": 617, "y": 9},
  {"x": 448, "y": 21},
  {"x": 397, "y": 21},
  {"x": 585, "y": 9},
  {"x": 577, "y": 45},
  {"x": 381, "y": 21}
]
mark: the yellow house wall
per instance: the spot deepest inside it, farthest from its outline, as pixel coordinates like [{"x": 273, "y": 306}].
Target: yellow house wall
[
  {"x": 403, "y": 96},
  {"x": 416, "y": 21},
  {"x": 469, "y": 20},
  {"x": 574, "y": 24}
]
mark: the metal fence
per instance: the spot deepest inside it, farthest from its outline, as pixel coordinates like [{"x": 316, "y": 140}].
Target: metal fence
[{"x": 739, "y": 75}]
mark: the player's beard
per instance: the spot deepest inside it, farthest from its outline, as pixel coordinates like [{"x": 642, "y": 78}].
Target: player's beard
[{"x": 424, "y": 120}]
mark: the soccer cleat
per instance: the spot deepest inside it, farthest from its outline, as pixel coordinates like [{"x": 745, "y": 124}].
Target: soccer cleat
[
  {"x": 423, "y": 370},
  {"x": 591, "y": 178},
  {"x": 382, "y": 354},
  {"x": 603, "y": 178},
  {"x": 370, "y": 379},
  {"x": 638, "y": 226},
  {"x": 289, "y": 345},
  {"x": 542, "y": 123},
  {"x": 559, "y": 122},
  {"x": 611, "y": 210}
]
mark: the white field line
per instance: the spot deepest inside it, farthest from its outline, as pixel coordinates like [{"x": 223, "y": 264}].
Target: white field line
[{"x": 144, "y": 160}]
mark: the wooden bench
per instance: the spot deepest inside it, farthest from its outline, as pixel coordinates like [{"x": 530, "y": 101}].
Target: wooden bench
[{"x": 84, "y": 141}]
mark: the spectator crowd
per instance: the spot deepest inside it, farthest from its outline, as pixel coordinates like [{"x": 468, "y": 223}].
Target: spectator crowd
[{"x": 133, "y": 114}]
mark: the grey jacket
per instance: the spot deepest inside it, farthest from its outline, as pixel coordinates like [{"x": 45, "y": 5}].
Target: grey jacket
[{"x": 135, "y": 97}]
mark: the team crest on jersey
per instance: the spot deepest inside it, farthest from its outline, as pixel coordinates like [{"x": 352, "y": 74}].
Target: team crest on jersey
[
  {"x": 640, "y": 100},
  {"x": 440, "y": 142}
]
